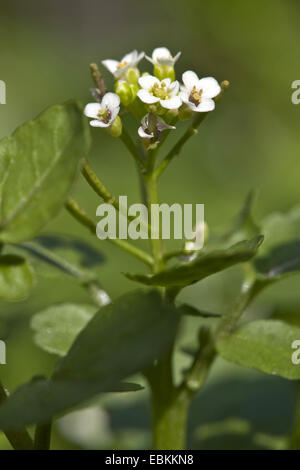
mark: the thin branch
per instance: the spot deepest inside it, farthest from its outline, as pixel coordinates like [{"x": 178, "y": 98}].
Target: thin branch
[
  {"x": 84, "y": 219},
  {"x": 192, "y": 130},
  {"x": 97, "y": 185},
  {"x": 197, "y": 373},
  {"x": 98, "y": 79},
  {"x": 127, "y": 140}
]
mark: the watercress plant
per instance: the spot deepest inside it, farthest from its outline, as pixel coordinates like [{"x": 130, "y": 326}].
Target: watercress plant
[{"x": 103, "y": 343}]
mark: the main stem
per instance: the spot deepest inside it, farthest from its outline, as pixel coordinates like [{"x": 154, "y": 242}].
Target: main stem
[
  {"x": 156, "y": 243},
  {"x": 169, "y": 407}
]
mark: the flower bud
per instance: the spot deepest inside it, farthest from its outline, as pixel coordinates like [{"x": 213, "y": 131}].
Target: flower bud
[
  {"x": 116, "y": 128},
  {"x": 134, "y": 89},
  {"x": 156, "y": 108},
  {"x": 132, "y": 75},
  {"x": 123, "y": 89},
  {"x": 171, "y": 116},
  {"x": 164, "y": 71}
]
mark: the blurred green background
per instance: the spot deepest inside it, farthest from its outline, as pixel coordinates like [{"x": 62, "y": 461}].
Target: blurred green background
[{"x": 251, "y": 141}]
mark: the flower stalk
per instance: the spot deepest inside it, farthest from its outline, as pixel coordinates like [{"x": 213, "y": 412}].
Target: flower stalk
[{"x": 81, "y": 216}]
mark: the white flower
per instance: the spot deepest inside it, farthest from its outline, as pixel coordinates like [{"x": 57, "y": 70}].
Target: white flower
[
  {"x": 198, "y": 94},
  {"x": 164, "y": 92},
  {"x": 129, "y": 61},
  {"x": 152, "y": 127},
  {"x": 162, "y": 56},
  {"x": 104, "y": 113}
]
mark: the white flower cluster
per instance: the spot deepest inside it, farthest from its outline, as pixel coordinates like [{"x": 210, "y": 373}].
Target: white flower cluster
[{"x": 157, "y": 94}]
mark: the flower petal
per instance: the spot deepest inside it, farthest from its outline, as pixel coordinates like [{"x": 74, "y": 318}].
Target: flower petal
[
  {"x": 184, "y": 95},
  {"x": 111, "y": 100},
  {"x": 99, "y": 124},
  {"x": 130, "y": 57},
  {"x": 172, "y": 103},
  {"x": 161, "y": 53},
  {"x": 210, "y": 87},
  {"x": 162, "y": 125},
  {"x": 114, "y": 113},
  {"x": 140, "y": 57},
  {"x": 148, "y": 81},
  {"x": 166, "y": 81},
  {"x": 190, "y": 79},
  {"x": 174, "y": 88},
  {"x": 145, "y": 96},
  {"x": 206, "y": 105},
  {"x": 143, "y": 134},
  {"x": 111, "y": 65},
  {"x": 177, "y": 57},
  {"x": 150, "y": 59},
  {"x": 192, "y": 106},
  {"x": 92, "y": 109}
]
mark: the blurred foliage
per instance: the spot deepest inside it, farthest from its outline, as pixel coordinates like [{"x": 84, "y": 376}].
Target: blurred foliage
[{"x": 251, "y": 141}]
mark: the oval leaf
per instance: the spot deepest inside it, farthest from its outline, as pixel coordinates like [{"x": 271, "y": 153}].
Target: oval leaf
[
  {"x": 37, "y": 401},
  {"x": 265, "y": 345},
  {"x": 280, "y": 254},
  {"x": 16, "y": 278},
  {"x": 57, "y": 327},
  {"x": 37, "y": 167},
  {"x": 122, "y": 339}
]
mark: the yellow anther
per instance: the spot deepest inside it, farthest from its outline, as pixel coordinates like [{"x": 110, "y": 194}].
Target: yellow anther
[
  {"x": 195, "y": 96},
  {"x": 122, "y": 64}
]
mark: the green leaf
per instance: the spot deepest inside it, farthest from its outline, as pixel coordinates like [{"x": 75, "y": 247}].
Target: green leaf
[
  {"x": 122, "y": 339},
  {"x": 192, "y": 311},
  {"x": 52, "y": 262},
  {"x": 203, "y": 266},
  {"x": 37, "y": 167},
  {"x": 37, "y": 401},
  {"x": 280, "y": 254},
  {"x": 288, "y": 315},
  {"x": 73, "y": 249},
  {"x": 16, "y": 278},
  {"x": 265, "y": 345},
  {"x": 57, "y": 327}
]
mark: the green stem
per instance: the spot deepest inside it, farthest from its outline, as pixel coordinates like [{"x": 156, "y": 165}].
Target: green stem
[
  {"x": 80, "y": 215},
  {"x": 156, "y": 243},
  {"x": 204, "y": 357},
  {"x": 98, "y": 79},
  {"x": 169, "y": 407},
  {"x": 177, "y": 147},
  {"x": 18, "y": 438},
  {"x": 96, "y": 184},
  {"x": 126, "y": 139},
  {"x": 249, "y": 290},
  {"x": 42, "y": 436},
  {"x": 170, "y": 404}
]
